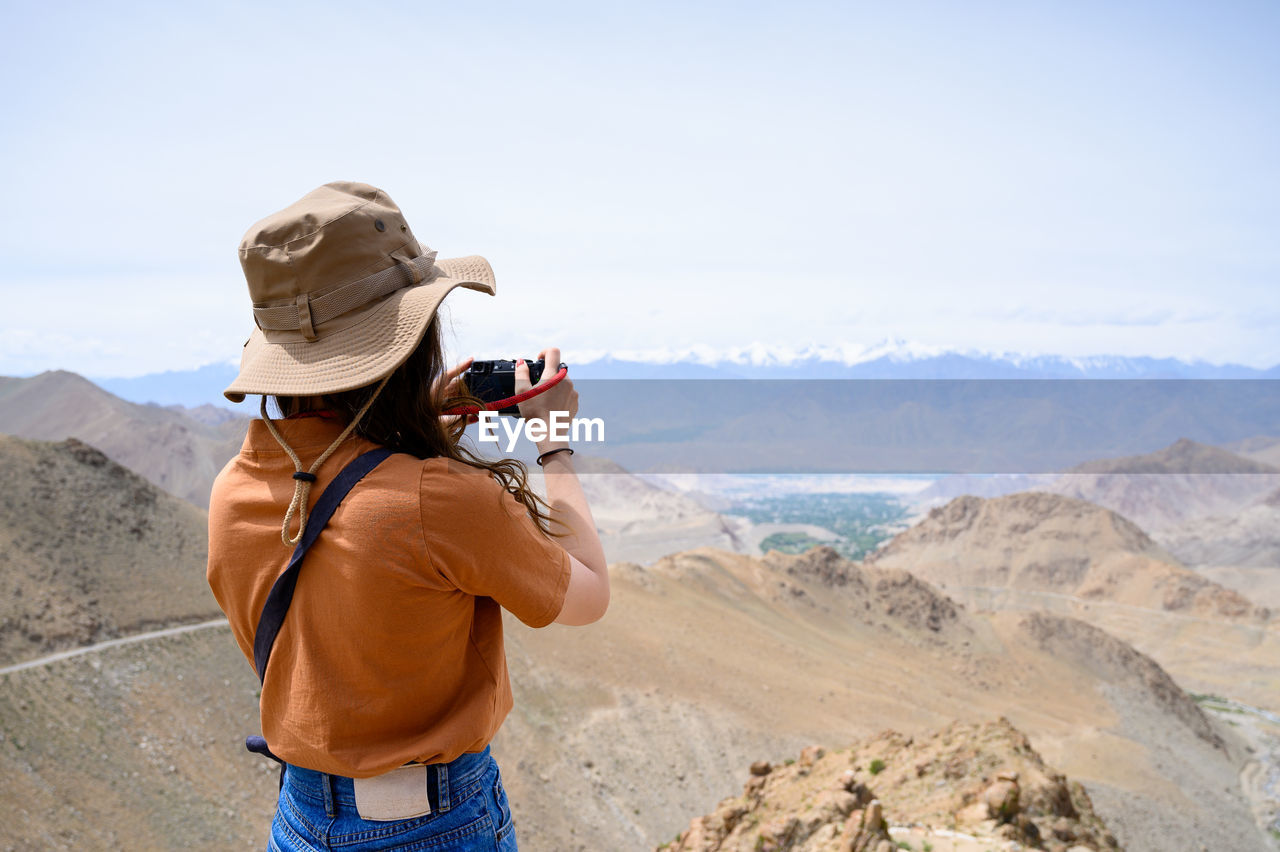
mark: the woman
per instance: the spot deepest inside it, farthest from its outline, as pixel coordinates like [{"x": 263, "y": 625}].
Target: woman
[{"x": 380, "y": 648}]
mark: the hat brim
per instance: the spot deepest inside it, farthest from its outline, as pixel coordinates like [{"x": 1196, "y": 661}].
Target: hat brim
[{"x": 361, "y": 353}]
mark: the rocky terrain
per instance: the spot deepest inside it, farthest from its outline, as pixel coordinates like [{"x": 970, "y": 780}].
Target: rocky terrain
[
  {"x": 707, "y": 661},
  {"x": 174, "y": 450},
  {"x": 1164, "y": 489},
  {"x": 730, "y": 658},
  {"x": 1182, "y": 456},
  {"x": 1047, "y": 543},
  {"x": 137, "y": 747},
  {"x": 968, "y": 786},
  {"x": 91, "y": 551},
  {"x": 1260, "y": 448},
  {"x": 1240, "y": 550}
]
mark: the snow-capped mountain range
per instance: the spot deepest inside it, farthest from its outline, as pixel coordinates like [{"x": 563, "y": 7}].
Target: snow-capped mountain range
[{"x": 894, "y": 359}]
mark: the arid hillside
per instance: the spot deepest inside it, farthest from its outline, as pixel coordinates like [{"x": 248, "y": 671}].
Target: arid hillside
[
  {"x": 1182, "y": 456},
  {"x": 709, "y": 660},
  {"x": 706, "y": 662},
  {"x": 180, "y": 453},
  {"x": 137, "y": 747},
  {"x": 1260, "y": 448},
  {"x": 1035, "y": 541},
  {"x": 967, "y": 787},
  {"x": 91, "y": 551},
  {"x": 1240, "y": 550},
  {"x": 1037, "y": 551},
  {"x": 1165, "y": 489}
]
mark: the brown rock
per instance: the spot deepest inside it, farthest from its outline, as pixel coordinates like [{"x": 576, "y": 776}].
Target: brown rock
[
  {"x": 810, "y": 755},
  {"x": 761, "y": 768},
  {"x": 835, "y": 805},
  {"x": 873, "y": 817},
  {"x": 777, "y": 833},
  {"x": 1062, "y": 829},
  {"x": 1001, "y": 799}
]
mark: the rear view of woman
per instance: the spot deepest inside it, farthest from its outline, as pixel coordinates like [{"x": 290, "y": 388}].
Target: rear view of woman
[{"x": 363, "y": 557}]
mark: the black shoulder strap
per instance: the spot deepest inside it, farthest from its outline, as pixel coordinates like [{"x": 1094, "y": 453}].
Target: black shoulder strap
[{"x": 281, "y": 594}]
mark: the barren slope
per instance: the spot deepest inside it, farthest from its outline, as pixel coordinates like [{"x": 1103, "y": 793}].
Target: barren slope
[
  {"x": 91, "y": 551},
  {"x": 626, "y": 730},
  {"x": 139, "y": 747},
  {"x": 179, "y": 453},
  {"x": 1047, "y": 552},
  {"x": 1240, "y": 550},
  {"x": 1167, "y": 488},
  {"x": 1260, "y": 448},
  {"x": 710, "y": 660},
  {"x": 1040, "y": 542},
  {"x": 966, "y": 787}
]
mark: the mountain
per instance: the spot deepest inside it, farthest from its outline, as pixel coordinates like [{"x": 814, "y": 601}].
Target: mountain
[
  {"x": 188, "y": 388},
  {"x": 1240, "y": 550},
  {"x": 967, "y": 786},
  {"x": 1162, "y": 490},
  {"x": 1050, "y": 544},
  {"x": 91, "y": 551},
  {"x": 706, "y": 662},
  {"x": 884, "y": 360},
  {"x": 729, "y": 658},
  {"x": 179, "y": 453},
  {"x": 1182, "y": 456},
  {"x": 1042, "y": 551},
  {"x": 912, "y": 426},
  {"x": 1260, "y": 448}
]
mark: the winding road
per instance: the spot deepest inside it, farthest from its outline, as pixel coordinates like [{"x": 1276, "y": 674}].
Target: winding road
[{"x": 112, "y": 643}]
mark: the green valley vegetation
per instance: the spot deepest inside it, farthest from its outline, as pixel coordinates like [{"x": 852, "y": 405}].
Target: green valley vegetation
[{"x": 861, "y": 522}]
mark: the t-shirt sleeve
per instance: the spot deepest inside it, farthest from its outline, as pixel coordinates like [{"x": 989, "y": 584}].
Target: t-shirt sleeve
[{"x": 482, "y": 540}]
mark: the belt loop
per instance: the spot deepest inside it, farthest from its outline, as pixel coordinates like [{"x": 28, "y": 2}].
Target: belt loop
[
  {"x": 304, "y": 317},
  {"x": 411, "y": 269},
  {"x": 327, "y": 783},
  {"x": 442, "y": 786}
]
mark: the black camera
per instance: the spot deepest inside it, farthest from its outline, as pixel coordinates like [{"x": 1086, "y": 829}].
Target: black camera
[{"x": 491, "y": 381}]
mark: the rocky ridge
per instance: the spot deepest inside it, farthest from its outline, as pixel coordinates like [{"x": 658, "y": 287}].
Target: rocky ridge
[
  {"x": 179, "y": 451},
  {"x": 90, "y": 551},
  {"x": 1167, "y": 488},
  {"x": 967, "y": 786},
  {"x": 1041, "y": 542},
  {"x": 1182, "y": 456}
]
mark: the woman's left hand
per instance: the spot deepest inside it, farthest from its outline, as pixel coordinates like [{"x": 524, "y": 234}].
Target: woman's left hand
[{"x": 449, "y": 383}]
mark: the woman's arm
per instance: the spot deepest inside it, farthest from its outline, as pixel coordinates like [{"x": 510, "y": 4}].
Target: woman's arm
[{"x": 588, "y": 594}]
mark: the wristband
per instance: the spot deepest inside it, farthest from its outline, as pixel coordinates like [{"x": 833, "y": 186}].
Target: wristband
[{"x": 568, "y": 450}]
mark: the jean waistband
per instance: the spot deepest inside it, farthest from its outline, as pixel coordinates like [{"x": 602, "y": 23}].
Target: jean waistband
[{"x": 451, "y": 780}]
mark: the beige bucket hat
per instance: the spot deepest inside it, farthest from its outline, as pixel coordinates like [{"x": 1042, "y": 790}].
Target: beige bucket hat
[{"x": 341, "y": 291}]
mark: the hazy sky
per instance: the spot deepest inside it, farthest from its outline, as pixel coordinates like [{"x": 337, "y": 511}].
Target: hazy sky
[{"x": 1072, "y": 178}]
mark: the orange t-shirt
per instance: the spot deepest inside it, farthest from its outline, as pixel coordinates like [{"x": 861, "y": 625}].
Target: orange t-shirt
[{"x": 392, "y": 648}]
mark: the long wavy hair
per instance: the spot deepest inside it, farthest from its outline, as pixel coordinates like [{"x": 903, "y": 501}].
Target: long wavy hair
[{"x": 406, "y": 418}]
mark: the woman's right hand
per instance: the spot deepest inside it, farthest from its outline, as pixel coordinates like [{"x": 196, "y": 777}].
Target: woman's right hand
[{"x": 562, "y": 398}]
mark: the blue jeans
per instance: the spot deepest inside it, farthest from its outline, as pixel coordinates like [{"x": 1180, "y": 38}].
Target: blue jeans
[{"x": 317, "y": 811}]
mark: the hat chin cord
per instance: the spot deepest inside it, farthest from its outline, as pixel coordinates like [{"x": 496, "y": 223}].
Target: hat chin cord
[{"x": 303, "y": 479}]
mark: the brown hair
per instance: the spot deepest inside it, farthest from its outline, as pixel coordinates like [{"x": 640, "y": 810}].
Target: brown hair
[{"x": 406, "y": 417}]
